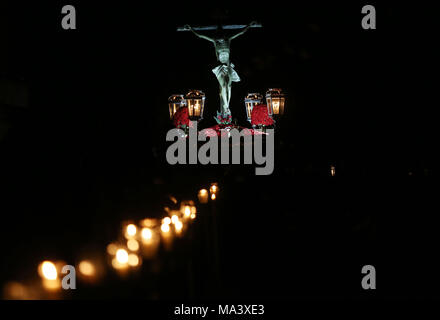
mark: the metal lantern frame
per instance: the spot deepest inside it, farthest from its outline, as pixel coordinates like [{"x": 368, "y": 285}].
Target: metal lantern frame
[
  {"x": 195, "y": 101},
  {"x": 275, "y": 101},
  {"x": 175, "y": 102},
  {"x": 250, "y": 101}
]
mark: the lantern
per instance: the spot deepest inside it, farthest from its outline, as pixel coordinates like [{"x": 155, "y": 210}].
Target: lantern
[
  {"x": 251, "y": 100},
  {"x": 275, "y": 100},
  {"x": 195, "y": 100},
  {"x": 175, "y": 102}
]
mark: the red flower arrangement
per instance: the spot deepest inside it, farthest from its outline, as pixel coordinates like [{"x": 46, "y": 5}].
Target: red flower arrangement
[
  {"x": 180, "y": 118},
  {"x": 227, "y": 119},
  {"x": 260, "y": 116}
]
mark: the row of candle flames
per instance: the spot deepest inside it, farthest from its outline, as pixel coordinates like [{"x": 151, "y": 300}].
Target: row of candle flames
[{"x": 141, "y": 241}]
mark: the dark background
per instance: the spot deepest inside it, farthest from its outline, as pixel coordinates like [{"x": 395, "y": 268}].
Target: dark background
[{"x": 84, "y": 116}]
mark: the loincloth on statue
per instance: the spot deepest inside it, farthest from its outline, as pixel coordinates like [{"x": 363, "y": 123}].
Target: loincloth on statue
[{"x": 222, "y": 71}]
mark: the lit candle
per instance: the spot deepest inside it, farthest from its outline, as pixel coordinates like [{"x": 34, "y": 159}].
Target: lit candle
[
  {"x": 122, "y": 256},
  {"x": 187, "y": 212},
  {"x": 165, "y": 228},
  {"x": 88, "y": 271},
  {"x": 49, "y": 276},
  {"x": 150, "y": 242},
  {"x": 146, "y": 234},
  {"x": 120, "y": 261},
  {"x": 86, "y": 268},
  {"x": 214, "y": 188},
  {"x": 130, "y": 231},
  {"x": 47, "y": 270},
  {"x": 203, "y": 196},
  {"x": 166, "y": 220},
  {"x": 178, "y": 227},
  {"x": 167, "y": 236},
  {"x": 174, "y": 218}
]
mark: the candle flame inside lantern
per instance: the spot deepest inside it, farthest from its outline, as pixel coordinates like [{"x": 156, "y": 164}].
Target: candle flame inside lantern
[
  {"x": 275, "y": 99},
  {"x": 195, "y": 100}
]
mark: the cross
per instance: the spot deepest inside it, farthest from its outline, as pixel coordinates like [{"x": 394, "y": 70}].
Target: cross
[
  {"x": 225, "y": 72},
  {"x": 225, "y": 27}
]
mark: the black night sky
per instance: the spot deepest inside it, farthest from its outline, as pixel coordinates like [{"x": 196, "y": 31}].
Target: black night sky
[{"x": 84, "y": 115}]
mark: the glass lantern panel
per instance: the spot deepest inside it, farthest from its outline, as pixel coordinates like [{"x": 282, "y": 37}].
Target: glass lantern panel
[
  {"x": 248, "y": 109},
  {"x": 173, "y": 108},
  {"x": 190, "y": 107},
  {"x": 269, "y": 101},
  {"x": 282, "y": 100}
]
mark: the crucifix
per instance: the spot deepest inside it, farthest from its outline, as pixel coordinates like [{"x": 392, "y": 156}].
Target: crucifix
[{"x": 224, "y": 72}]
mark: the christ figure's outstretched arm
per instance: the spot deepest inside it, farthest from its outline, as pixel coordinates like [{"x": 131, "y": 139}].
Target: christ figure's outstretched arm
[
  {"x": 242, "y": 31},
  {"x": 198, "y": 34}
]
